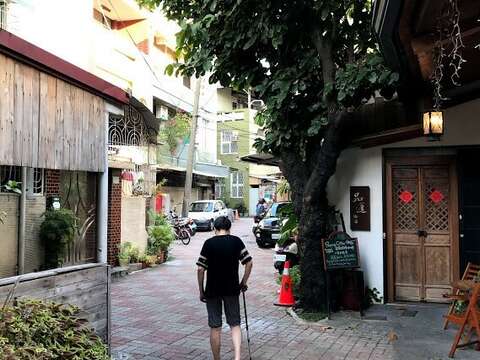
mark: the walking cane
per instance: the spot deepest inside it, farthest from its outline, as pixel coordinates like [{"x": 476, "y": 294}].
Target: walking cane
[{"x": 246, "y": 325}]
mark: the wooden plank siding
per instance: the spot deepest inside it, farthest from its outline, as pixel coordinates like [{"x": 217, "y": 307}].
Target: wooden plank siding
[
  {"x": 46, "y": 122},
  {"x": 86, "y": 286}
]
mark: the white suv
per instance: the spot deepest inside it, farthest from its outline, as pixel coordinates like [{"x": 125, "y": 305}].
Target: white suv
[{"x": 204, "y": 212}]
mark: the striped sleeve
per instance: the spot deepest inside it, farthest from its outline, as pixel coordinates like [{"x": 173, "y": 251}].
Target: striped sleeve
[
  {"x": 244, "y": 256},
  {"x": 203, "y": 259}
]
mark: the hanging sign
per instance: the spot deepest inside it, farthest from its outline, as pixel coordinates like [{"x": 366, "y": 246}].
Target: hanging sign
[
  {"x": 360, "y": 208},
  {"x": 340, "y": 251}
]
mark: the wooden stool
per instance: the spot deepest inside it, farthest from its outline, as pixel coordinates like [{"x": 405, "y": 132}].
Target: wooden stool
[{"x": 469, "y": 321}]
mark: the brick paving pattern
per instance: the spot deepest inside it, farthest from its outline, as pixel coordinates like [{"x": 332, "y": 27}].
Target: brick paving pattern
[{"x": 157, "y": 315}]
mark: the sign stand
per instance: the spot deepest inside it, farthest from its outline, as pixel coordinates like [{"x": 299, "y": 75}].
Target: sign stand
[{"x": 340, "y": 251}]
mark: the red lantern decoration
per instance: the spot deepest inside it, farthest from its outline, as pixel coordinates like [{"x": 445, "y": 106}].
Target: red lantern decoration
[
  {"x": 406, "y": 196},
  {"x": 436, "y": 196}
]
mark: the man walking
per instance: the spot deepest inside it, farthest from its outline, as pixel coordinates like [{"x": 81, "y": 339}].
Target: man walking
[{"x": 220, "y": 257}]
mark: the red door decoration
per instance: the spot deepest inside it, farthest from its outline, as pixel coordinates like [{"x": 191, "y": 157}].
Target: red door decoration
[
  {"x": 436, "y": 196},
  {"x": 406, "y": 196}
]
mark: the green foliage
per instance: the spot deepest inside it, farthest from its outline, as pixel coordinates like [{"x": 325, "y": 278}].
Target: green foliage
[
  {"x": 128, "y": 253},
  {"x": 283, "y": 187},
  {"x": 57, "y": 231},
  {"x": 13, "y": 186},
  {"x": 160, "y": 234},
  {"x": 277, "y": 54},
  {"x": 289, "y": 221},
  {"x": 174, "y": 130},
  {"x": 39, "y": 330}
]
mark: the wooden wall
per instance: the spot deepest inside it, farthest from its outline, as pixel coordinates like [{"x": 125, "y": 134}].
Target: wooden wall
[
  {"x": 48, "y": 123},
  {"x": 87, "y": 286}
]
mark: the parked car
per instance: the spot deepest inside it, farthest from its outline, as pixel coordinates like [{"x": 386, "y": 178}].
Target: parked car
[
  {"x": 267, "y": 231},
  {"x": 204, "y": 212}
]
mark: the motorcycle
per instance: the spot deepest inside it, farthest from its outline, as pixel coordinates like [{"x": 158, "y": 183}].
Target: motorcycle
[
  {"x": 286, "y": 252},
  {"x": 184, "y": 228}
]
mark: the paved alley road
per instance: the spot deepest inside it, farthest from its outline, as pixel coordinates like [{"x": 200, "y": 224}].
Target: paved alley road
[{"x": 157, "y": 315}]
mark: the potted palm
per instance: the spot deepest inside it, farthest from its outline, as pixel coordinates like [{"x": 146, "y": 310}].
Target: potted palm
[{"x": 160, "y": 237}]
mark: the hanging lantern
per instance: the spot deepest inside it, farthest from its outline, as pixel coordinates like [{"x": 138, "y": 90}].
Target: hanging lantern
[{"x": 433, "y": 124}]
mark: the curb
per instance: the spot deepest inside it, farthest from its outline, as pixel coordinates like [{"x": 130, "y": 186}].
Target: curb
[{"x": 322, "y": 324}]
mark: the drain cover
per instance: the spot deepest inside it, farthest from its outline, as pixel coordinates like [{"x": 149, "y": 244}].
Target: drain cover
[
  {"x": 375, "y": 317},
  {"x": 409, "y": 313}
]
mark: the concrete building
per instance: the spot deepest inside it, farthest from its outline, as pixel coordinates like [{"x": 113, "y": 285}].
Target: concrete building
[{"x": 237, "y": 131}]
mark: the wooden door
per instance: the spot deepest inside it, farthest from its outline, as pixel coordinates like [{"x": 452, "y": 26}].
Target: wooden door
[{"x": 421, "y": 239}]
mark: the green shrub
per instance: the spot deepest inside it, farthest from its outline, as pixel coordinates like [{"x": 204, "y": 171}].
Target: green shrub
[
  {"x": 32, "y": 329},
  {"x": 160, "y": 237},
  {"x": 57, "y": 232},
  {"x": 129, "y": 251}
]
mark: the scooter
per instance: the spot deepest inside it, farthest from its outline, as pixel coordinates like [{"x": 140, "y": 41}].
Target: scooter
[{"x": 286, "y": 252}]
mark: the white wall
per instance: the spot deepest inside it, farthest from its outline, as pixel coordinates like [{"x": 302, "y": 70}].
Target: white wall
[{"x": 364, "y": 167}]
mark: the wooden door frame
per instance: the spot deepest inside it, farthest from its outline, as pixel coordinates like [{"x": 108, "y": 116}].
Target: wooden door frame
[{"x": 409, "y": 159}]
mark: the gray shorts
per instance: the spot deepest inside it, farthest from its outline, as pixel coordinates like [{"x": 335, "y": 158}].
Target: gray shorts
[{"x": 231, "y": 304}]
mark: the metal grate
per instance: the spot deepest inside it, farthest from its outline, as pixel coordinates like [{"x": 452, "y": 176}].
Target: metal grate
[{"x": 128, "y": 130}]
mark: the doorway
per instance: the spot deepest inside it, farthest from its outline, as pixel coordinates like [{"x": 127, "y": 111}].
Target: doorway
[
  {"x": 422, "y": 227},
  {"x": 469, "y": 213}
]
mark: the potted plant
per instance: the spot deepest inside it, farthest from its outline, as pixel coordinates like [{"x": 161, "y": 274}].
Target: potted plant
[
  {"x": 123, "y": 259},
  {"x": 57, "y": 232},
  {"x": 160, "y": 237}
]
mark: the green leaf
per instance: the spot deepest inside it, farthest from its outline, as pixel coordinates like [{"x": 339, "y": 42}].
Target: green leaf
[
  {"x": 169, "y": 69},
  {"x": 250, "y": 42}
]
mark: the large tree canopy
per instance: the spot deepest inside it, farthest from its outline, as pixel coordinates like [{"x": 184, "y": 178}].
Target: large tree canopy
[{"x": 313, "y": 62}]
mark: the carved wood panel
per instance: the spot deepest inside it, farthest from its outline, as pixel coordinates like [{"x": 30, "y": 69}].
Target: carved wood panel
[{"x": 421, "y": 232}]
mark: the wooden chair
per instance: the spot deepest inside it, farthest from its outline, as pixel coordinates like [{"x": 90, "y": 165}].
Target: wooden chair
[
  {"x": 471, "y": 271},
  {"x": 469, "y": 321}
]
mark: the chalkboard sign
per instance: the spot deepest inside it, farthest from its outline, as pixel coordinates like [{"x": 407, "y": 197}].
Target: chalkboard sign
[
  {"x": 360, "y": 208},
  {"x": 340, "y": 251}
]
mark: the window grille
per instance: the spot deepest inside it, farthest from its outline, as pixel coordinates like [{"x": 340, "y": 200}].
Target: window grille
[
  {"x": 35, "y": 181},
  {"x": 8, "y": 173},
  {"x": 128, "y": 130},
  {"x": 229, "y": 142},
  {"x": 3, "y": 14}
]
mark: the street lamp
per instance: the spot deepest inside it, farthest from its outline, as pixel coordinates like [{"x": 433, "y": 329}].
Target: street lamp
[{"x": 433, "y": 124}]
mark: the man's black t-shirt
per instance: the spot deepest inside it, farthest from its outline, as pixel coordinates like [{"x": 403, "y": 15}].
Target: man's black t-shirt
[{"x": 220, "y": 256}]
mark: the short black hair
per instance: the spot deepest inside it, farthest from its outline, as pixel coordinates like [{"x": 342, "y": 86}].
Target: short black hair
[{"x": 222, "y": 223}]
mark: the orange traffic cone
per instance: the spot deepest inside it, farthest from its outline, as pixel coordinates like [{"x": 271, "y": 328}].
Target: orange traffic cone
[{"x": 286, "y": 292}]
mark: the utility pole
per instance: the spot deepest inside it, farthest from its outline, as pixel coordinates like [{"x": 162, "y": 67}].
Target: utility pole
[{"x": 187, "y": 195}]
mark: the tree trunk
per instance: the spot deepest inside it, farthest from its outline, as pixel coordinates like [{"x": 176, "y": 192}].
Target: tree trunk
[{"x": 309, "y": 195}]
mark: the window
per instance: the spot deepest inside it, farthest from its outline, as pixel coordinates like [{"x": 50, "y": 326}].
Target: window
[
  {"x": 236, "y": 190},
  {"x": 35, "y": 180},
  {"x": 3, "y": 14},
  {"x": 186, "y": 82},
  {"x": 8, "y": 173},
  {"x": 229, "y": 142},
  {"x": 220, "y": 190}
]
